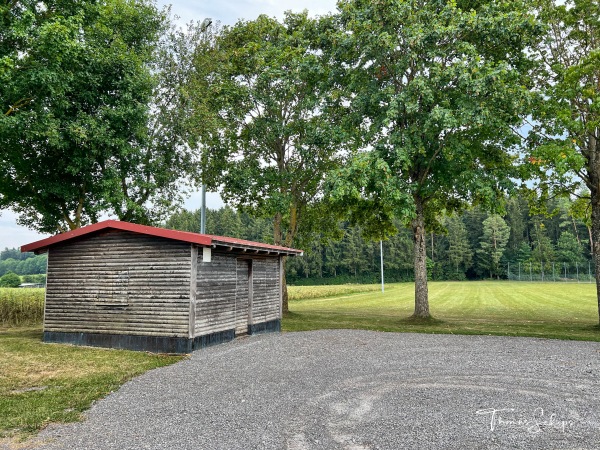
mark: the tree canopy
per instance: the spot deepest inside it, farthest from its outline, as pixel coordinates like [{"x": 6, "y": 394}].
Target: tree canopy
[
  {"x": 565, "y": 139},
  {"x": 86, "y": 122},
  {"x": 266, "y": 143},
  {"x": 435, "y": 89}
]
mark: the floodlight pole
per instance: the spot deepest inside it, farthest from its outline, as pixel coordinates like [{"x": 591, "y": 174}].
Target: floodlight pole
[
  {"x": 203, "y": 211},
  {"x": 203, "y": 27}
]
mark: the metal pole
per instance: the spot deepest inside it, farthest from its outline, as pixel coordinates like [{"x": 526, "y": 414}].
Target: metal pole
[
  {"x": 508, "y": 270},
  {"x": 565, "y": 266},
  {"x": 530, "y": 275},
  {"x": 206, "y": 23},
  {"x": 519, "y": 270},
  {"x": 203, "y": 211},
  {"x": 381, "y": 253},
  {"x": 553, "y": 275}
]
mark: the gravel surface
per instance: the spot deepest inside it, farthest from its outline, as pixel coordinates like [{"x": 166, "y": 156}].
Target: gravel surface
[{"x": 342, "y": 389}]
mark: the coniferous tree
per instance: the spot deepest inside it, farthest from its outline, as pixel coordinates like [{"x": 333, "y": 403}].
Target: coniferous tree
[{"x": 493, "y": 243}]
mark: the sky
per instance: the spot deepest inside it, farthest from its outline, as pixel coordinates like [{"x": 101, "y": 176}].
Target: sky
[{"x": 228, "y": 12}]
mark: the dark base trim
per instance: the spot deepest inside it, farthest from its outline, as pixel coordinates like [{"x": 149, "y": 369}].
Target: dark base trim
[
  {"x": 155, "y": 344},
  {"x": 212, "y": 339},
  {"x": 265, "y": 327}
]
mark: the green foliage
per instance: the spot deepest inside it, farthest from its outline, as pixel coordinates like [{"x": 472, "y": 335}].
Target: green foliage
[
  {"x": 259, "y": 100},
  {"x": 460, "y": 254},
  {"x": 353, "y": 259},
  {"x": 435, "y": 99},
  {"x": 569, "y": 249},
  {"x": 21, "y": 307},
  {"x": 10, "y": 280},
  {"x": 84, "y": 124},
  {"x": 32, "y": 264},
  {"x": 14, "y": 253},
  {"x": 434, "y": 90},
  {"x": 493, "y": 243},
  {"x": 564, "y": 136},
  {"x": 564, "y": 144},
  {"x": 224, "y": 222}
]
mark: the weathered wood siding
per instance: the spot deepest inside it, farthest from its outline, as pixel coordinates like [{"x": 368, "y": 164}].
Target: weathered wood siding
[
  {"x": 265, "y": 283},
  {"x": 216, "y": 294},
  {"x": 242, "y": 295},
  {"x": 120, "y": 283},
  {"x": 227, "y": 300}
]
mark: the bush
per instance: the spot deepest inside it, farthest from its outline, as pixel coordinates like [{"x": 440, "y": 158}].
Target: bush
[
  {"x": 21, "y": 306},
  {"x": 10, "y": 280}
]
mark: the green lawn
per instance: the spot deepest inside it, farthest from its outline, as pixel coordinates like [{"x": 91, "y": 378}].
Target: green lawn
[
  {"x": 42, "y": 383},
  {"x": 551, "y": 310}
]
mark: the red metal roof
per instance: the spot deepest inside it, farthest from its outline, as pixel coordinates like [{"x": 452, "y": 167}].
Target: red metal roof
[{"x": 184, "y": 236}]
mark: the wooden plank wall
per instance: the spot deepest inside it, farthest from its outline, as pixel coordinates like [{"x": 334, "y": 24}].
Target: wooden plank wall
[
  {"x": 222, "y": 293},
  {"x": 215, "y": 294},
  {"x": 242, "y": 296},
  {"x": 265, "y": 282},
  {"x": 120, "y": 283}
]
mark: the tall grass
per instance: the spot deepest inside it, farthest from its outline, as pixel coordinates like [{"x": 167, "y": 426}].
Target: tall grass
[
  {"x": 20, "y": 307},
  {"x": 306, "y": 292}
]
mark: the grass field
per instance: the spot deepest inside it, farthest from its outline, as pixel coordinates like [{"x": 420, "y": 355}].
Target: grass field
[
  {"x": 551, "y": 310},
  {"x": 42, "y": 383}
]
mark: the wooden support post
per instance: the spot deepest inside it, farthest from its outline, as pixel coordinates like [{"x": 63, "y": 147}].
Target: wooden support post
[{"x": 193, "y": 280}]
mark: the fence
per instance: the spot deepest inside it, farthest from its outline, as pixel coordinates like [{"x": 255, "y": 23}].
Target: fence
[{"x": 559, "y": 272}]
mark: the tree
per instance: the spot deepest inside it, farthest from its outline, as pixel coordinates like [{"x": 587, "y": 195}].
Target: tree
[
  {"x": 569, "y": 249},
  {"x": 566, "y": 135},
  {"x": 89, "y": 112},
  {"x": 543, "y": 250},
  {"x": 10, "y": 279},
  {"x": 264, "y": 139},
  {"x": 434, "y": 88},
  {"x": 517, "y": 214},
  {"x": 459, "y": 250},
  {"x": 493, "y": 243}
]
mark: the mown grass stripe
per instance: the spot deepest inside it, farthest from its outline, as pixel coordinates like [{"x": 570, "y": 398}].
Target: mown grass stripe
[{"x": 554, "y": 310}]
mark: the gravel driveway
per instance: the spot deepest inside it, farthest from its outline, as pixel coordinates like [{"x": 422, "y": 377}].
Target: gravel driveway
[{"x": 344, "y": 389}]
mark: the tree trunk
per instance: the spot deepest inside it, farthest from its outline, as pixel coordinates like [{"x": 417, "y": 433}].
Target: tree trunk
[
  {"x": 278, "y": 240},
  {"x": 420, "y": 262},
  {"x": 596, "y": 242},
  {"x": 593, "y": 183},
  {"x": 284, "y": 290}
]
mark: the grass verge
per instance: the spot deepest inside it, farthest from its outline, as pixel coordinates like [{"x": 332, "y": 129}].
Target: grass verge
[
  {"x": 546, "y": 310},
  {"x": 43, "y": 383}
]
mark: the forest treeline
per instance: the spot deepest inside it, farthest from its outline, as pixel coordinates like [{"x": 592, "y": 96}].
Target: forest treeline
[
  {"x": 28, "y": 264},
  {"x": 474, "y": 245}
]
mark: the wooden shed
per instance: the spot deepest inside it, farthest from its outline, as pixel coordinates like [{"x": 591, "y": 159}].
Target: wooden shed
[{"x": 117, "y": 284}]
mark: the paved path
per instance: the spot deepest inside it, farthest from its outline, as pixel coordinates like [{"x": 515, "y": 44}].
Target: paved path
[{"x": 356, "y": 390}]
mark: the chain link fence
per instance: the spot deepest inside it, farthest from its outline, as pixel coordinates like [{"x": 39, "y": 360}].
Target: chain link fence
[{"x": 557, "y": 271}]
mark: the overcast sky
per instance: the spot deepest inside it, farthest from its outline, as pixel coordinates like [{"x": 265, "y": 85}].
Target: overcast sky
[{"x": 228, "y": 12}]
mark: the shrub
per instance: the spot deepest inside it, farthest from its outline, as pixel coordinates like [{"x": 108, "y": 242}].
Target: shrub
[{"x": 10, "y": 280}]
